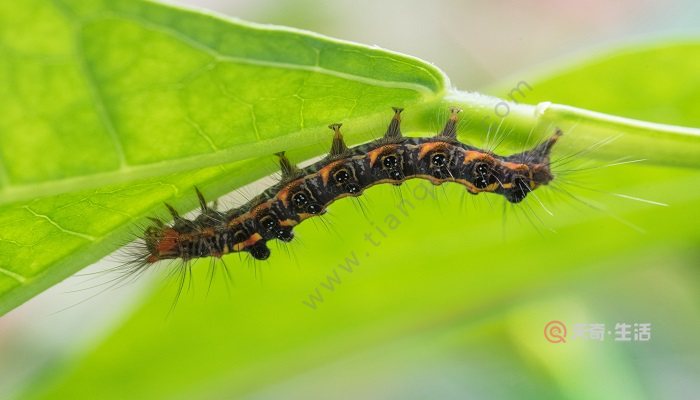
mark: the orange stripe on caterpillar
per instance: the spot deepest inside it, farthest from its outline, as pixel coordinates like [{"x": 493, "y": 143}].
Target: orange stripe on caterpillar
[
  {"x": 429, "y": 147},
  {"x": 326, "y": 171},
  {"x": 472, "y": 155},
  {"x": 252, "y": 240},
  {"x": 376, "y": 153}
]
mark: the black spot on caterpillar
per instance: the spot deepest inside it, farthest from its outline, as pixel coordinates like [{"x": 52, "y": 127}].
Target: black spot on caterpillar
[{"x": 304, "y": 193}]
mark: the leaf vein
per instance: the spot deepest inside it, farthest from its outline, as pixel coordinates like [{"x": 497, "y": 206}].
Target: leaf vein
[
  {"x": 202, "y": 134},
  {"x": 100, "y": 105},
  {"x": 58, "y": 226},
  {"x": 19, "y": 278},
  {"x": 91, "y": 84}
]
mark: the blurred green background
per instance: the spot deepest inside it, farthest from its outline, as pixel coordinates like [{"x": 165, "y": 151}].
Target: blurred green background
[{"x": 454, "y": 301}]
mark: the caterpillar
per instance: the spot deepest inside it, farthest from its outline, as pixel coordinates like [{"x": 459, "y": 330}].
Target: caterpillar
[{"x": 306, "y": 192}]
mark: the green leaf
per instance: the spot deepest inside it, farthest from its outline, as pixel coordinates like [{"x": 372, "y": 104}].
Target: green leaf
[
  {"x": 101, "y": 102},
  {"x": 443, "y": 306},
  {"x": 116, "y": 91}
]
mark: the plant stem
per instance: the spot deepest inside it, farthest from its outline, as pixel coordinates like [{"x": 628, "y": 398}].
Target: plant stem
[{"x": 606, "y": 136}]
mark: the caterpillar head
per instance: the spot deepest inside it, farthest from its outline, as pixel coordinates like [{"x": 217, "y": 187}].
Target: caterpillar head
[{"x": 539, "y": 171}]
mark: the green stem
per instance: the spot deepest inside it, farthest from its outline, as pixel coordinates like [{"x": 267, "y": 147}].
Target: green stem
[{"x": 622, "y": 137}]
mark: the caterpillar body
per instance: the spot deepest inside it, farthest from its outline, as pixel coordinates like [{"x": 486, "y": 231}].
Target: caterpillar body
[{"x": 304, "y": 193}]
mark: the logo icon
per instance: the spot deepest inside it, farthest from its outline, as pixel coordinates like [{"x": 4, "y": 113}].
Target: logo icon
[{"x": 555, "y": 332}]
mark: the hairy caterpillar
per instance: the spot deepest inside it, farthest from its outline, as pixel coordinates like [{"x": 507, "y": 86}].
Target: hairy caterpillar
[{"x": 304, "y": 193}]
